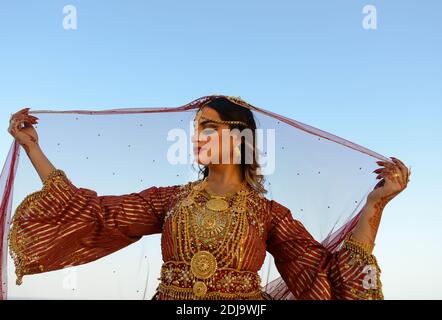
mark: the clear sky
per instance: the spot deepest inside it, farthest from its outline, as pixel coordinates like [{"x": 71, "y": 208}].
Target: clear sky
[{"x": 313, "y": 61}]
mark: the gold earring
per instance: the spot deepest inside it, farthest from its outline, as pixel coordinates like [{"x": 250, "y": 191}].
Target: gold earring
[{"x": 237, "y": 152}]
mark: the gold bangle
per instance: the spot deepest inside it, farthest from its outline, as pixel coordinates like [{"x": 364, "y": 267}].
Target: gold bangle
[
  {"x": 53, "y": 173},
  {"x": 368, "y": 248}
]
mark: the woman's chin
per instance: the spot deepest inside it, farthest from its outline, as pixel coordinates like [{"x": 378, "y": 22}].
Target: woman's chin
[{"x": 202, "y": 160}]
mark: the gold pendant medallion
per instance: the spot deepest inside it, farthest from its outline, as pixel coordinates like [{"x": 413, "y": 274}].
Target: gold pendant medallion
[
  {"x": 217, "y": 204},
  {"x": 210, "y": 227},
  {"x": 203, "y": 264},
  {"x": 187, "y": 201},
  {"x": 199, "y": 289}
]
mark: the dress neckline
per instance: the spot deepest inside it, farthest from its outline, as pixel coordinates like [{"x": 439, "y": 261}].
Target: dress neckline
[{"x": 244, "y": 187}]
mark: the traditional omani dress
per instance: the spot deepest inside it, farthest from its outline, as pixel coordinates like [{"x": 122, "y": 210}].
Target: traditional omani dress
[{"x": 212, "y": 247}]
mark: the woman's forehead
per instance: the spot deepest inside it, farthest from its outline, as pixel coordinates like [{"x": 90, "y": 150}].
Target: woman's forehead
[
  {"x": 207, "y": 116},
  {"x": 208, "y": 113}
]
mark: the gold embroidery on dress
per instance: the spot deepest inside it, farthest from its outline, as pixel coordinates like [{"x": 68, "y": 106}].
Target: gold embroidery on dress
[{"x": 18, "y": 245}]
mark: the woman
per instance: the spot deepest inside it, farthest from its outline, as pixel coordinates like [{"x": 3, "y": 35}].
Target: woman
[{"x": 215, "y": 230}]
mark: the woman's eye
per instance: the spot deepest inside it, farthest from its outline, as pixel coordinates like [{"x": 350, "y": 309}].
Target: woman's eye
[{"x": 208, "y": 131}]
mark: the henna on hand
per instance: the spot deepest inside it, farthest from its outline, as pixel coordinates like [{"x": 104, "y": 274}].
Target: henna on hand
[
  {"x": 15, "y": 127},
  {"x": 26, "y": 147},
  {"x": 375, "y": 219},
  {"x": 393, "y": 175}
]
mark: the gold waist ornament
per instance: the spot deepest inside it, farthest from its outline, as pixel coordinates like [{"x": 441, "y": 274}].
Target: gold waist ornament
[
  {"x": 203, "y": 265},
  {"x": 178, "y": 282}
]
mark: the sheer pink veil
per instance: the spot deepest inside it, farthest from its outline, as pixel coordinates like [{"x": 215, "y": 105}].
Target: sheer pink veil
[{"x": 323, "y": 179}]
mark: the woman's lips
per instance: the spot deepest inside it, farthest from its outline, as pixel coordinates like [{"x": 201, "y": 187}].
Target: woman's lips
[{"x": 198, "y": 150}]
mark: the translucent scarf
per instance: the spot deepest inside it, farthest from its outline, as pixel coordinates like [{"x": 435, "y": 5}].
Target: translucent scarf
[{"x": 323, "y": 179}]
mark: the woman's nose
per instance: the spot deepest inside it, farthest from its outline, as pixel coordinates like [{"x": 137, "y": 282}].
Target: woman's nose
[{"x": 194, "y": 137}]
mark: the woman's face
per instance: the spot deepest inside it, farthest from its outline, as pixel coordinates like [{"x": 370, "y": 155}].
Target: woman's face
[{"x": 208, "y": 139}]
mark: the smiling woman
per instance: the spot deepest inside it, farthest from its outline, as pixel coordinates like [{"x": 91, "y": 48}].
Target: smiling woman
[{"x": 307, "y": 226}]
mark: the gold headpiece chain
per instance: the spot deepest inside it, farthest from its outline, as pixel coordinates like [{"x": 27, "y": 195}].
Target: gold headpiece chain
[{"x": 236, "y": 100}]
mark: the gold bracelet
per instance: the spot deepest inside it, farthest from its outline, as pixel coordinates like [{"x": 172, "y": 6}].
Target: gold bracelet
[
  {"x": 367, "y": 247},
  {"x": 361, "y": 254},
  {"x": 53, "y": 173}
]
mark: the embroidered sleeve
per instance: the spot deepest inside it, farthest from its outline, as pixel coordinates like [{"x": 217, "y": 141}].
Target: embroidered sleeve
[
  {"x": 310, "y": 271},
  {"x": 64, "y": 225}
]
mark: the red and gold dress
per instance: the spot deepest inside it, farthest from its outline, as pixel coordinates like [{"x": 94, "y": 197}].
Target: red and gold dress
[{"x": 212, "y": 248}]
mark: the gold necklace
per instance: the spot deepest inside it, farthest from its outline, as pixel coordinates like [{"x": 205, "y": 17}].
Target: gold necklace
[
  {"x": 204, "y": 263},
  {"x": 218, "y": 202},
  {"x": 211, "y": 226},
  {"x": 204, "y": 184}
]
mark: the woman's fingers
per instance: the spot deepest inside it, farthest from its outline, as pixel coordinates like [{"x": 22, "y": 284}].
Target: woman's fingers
[
  {"x": 396, "y": 169},
  {"x": 22, "y": 116},
  {"x": 385, "y": 164},
  {"x": 384, "y": 170},
  {"x": 405, "y": 173},
  {"x": 31, "y": 117},
  {"x": 18, "y": 120},
  {"x": 396, "y": 176},
  {"x": 402, "y": 167},
  {"x": 389, "y": 174},
  {"x": 379, "y": 170},
  {"x": 17, "y": 124},
  {"x": 25, "y": 120},
  {"x": 397, "y": 160},
  {"x": 22, "y": 111},
  {"x": 380, "y": 184},
  {"x": 392, "y": 173}
]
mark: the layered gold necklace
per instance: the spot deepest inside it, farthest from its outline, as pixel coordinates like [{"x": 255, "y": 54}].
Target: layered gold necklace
[{"x": 211, "y": 234}]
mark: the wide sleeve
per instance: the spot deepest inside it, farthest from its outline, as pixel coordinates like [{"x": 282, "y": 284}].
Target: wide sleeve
[
  {"x": 64, "y": 225},
  {"x": 311, "y": 271}
]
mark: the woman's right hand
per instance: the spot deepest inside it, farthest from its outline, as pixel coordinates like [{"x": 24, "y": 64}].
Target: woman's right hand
[{"x": 21, "y": 128}]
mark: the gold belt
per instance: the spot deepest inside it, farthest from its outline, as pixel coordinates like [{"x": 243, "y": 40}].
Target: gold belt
[{"x": 179, "y": 282}]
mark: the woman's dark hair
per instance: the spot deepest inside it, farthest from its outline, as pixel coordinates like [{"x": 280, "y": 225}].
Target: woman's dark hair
[{"x": 229, "y": 110}]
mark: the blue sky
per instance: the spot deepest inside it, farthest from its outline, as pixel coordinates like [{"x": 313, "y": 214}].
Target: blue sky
[{"x": 309, "y": 60}]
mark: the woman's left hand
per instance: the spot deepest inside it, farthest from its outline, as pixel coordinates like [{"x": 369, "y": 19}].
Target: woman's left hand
[{"x": 395, "y": 177}]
